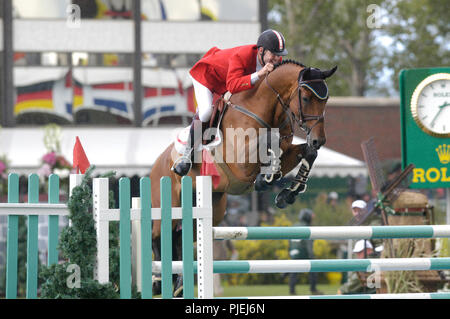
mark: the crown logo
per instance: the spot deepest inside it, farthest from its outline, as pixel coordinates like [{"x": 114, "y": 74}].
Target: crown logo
[{"x": 443, "y": 152}]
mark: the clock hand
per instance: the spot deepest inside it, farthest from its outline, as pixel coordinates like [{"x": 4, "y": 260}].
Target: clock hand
[
  {"x": 439, "y": 112},
  {"x": 444, "y": 105}
]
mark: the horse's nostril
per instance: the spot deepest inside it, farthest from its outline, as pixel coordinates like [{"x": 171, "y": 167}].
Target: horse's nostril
[{"x": 317, "y": 143}]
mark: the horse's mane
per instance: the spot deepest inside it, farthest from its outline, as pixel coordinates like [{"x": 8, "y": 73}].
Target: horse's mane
[{"x": 288, "y": 61}]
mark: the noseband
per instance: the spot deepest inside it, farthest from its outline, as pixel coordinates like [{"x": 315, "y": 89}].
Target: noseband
[{"x": 303, "y": 118}]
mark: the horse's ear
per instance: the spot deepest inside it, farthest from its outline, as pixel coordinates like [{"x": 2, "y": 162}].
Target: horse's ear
[
  {"x": 305, "y": 73},
  {"x": 328, "y": 73}
]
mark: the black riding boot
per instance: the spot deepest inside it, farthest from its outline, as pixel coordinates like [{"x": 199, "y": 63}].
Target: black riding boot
[{"x": 185, "y": 161}]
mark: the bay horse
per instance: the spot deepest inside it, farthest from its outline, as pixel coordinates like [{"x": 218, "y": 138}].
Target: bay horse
[{"x": 289, "y": 96}]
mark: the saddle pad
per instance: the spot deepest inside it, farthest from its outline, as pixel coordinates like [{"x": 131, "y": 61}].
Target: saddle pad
[{"x": 182, "y": 136}]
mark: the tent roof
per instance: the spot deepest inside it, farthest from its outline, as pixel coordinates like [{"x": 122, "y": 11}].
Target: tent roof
[{"x": 131, "y": 151}]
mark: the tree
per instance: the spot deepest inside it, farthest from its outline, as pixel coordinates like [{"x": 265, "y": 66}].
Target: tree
[
  {"x": 324, "y": 33},
  {"x": 348, "y": 32},
  {"x": 78, "y": 246},
  {"x": 420, "y": 32}
]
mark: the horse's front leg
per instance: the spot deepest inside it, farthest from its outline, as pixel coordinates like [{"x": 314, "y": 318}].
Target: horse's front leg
[
  {"x": 270, "y": 161},
  {"x": 305, "y": 155}
]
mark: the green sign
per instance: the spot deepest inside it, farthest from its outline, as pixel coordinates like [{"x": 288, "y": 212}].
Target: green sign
[{"x": 425, "y": 125}]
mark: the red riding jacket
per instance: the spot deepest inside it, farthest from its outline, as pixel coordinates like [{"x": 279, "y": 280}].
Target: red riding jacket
[{"x": 226, "y": 70}]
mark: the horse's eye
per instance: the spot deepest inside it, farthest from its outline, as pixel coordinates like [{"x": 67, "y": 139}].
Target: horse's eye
[{"x": 305, "y": 99}]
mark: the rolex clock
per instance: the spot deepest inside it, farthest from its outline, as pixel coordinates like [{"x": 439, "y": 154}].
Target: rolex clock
[
  {"x": 425, "y": 125},
  {"x": 430, "y": 105}
]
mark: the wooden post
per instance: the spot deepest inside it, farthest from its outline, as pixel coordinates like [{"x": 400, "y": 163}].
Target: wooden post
[
  {"x": 146, "y": 238},
  {"x": 53, "y": 220},
  {"x": 136, "y": 274},
  {"x": 101, "y": 201},
  {"x": 125, "y": 238},
  {"x": 32, "y": 239},
  {"x": 166, "y": 237},
  {"x": 204, "y": 239},
  {"x": 12, "y": 244},
  {"x": 188, "y": 237}
]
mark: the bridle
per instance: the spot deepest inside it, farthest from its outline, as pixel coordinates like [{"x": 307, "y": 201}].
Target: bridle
[{"x": 303, "y": 118}]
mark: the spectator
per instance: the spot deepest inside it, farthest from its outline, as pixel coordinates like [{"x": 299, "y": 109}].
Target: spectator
[
  {"x": 333, "y": 200},
  {"x": 357, "y": 282},
  {"x": 359, "y": 208}
]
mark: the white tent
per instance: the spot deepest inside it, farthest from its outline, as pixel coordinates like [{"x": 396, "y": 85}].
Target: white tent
[{"x": 130, "y": 151}]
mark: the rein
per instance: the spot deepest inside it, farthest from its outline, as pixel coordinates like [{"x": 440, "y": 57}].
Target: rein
[
  {"x": 290, "y": 118},
  {"x": 303, "y": 118}
]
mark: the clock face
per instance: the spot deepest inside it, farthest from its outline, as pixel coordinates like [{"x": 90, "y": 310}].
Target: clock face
[{"x": 430, "y": 105}]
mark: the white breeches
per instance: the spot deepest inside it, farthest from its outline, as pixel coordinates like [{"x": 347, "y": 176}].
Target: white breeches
[{"x": 204, "y": 98}]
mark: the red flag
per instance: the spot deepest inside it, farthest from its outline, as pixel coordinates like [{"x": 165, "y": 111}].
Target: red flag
[
  {"x": 80, "y": 160},
  {"x": 209, "y": 169}
]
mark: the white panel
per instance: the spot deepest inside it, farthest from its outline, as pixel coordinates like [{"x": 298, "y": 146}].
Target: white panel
[
  {"x": 399, "y": 264},
  {"x": 40, "y": 9},
  {"x": 100, "y": 195},
  {"x": 230, "y": 232},
  {"x": 270, "y": 266},
  {"x": 196, "y": 37},
  {"x": 248, "y": 10},
  {"x": 56, "y": 35},
  {"x": 441, "y": 230},
  {"x": 33, "y": 209},
  {"x": 204, "y": 239},
  {"x": 117, "y": 36},
  {"x": 329, "y": 232},
  {"x": 136, "y": 244},
  {"x": 99, "y": 75}
]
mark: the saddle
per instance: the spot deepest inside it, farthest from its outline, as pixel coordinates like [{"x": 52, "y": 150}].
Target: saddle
[{"x": 219, "y": 109}]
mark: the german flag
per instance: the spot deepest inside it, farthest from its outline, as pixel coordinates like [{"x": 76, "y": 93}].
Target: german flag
[
  {"x": 77, "y": 91},
  {"x": 37, "y": 97}
]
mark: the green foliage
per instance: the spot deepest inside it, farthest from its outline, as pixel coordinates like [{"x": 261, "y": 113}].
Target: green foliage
[
  {"x": 78, "y": 245},
  {"x": 21, "y": 262},
  {"x": 421, "y": 31},
  {"x": 326, "y": 214},
  {"x": 260, "y": 250},
  {"x": 323, "y": 33},
  {"x": 56, "y": 286}
]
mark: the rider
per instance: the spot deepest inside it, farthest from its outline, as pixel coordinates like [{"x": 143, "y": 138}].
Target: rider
[{"x": 234, "y": 70}]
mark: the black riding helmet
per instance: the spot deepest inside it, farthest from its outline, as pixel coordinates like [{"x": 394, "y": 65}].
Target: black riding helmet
[{"x": 273, "y": 41}]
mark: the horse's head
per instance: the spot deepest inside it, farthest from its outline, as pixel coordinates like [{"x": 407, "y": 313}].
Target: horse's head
[{"x": 310, "y": 105}]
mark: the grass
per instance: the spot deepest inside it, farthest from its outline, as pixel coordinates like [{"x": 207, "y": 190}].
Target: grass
[
  {"x": 271, "y": 290},
  {"x": 275, "y": 290}
]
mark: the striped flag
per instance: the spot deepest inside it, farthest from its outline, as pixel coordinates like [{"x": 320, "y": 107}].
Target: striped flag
[
  {"x": 115, "y": 98},
  {"x": 160, "y": 102},
  {"x": 52, "y": 97}
]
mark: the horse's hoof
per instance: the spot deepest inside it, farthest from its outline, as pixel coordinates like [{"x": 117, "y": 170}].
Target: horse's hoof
[
  {"x": 156, "y": 287},
  {"x": 260, "y": 183},
  {"x": 280, "y": 200},
  {"x": 178, "y": 287},
  {"x": 178, "y": 292},
  {"x": 277, "y": 177},
  {"x": 290, "y": 198}
]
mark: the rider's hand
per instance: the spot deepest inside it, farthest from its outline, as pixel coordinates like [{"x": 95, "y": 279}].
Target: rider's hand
[{"x": 265, "y": 70}]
